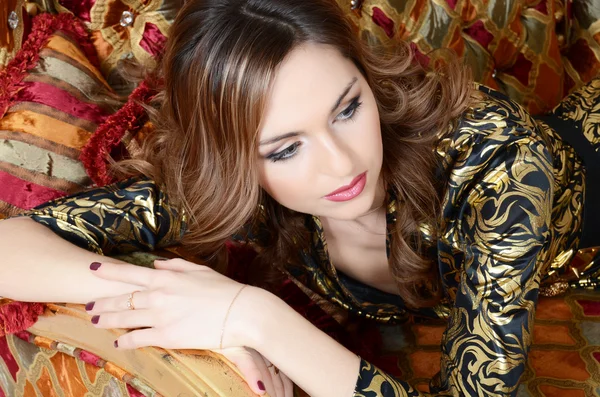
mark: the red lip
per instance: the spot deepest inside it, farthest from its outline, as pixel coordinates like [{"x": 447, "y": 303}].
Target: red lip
[{"x": 347, "y": 187}]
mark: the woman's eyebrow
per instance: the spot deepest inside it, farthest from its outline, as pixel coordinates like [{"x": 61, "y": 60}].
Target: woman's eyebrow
[
  {"x": 279, "y": 138},
  {"x": 293, "y": 134},
  {"x": 344, "y": 93}
]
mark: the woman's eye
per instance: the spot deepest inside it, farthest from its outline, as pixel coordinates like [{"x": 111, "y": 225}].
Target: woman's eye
[
  {"x": 285, "y": 154},
  {"x": 350, "y": 111}
]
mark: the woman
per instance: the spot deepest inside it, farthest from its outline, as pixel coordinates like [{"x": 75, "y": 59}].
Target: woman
[{"x": 386, "y": 189}]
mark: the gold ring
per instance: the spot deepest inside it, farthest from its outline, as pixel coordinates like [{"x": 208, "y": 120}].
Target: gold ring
[{"x": 130, "y": 304}]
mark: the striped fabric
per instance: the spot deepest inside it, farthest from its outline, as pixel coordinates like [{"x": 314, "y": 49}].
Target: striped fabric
[{"x": 53, "y": 105}]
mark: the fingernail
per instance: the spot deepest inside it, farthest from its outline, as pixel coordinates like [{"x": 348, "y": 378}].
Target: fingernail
[
  {"x": 95, "y": 265},
  {"x": 116, "y": 343},
  {"x": 89, "y": 306},
  {"x": 261, "y": 385},
  {"x": 95, "y": 319}
]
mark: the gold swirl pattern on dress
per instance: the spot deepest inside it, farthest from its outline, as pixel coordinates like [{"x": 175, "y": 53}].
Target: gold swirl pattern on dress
[{"x": 132, "y": 215}]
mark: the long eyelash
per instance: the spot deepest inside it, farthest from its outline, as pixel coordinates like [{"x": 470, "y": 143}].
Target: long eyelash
[
  {"x": 275, "y": 157},
  {"x": 355, "y": 106}
]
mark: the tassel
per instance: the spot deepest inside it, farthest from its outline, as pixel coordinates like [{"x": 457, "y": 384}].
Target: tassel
[
  {"x": 18, "y": 316},
  {"x": 131, "y": 117}
]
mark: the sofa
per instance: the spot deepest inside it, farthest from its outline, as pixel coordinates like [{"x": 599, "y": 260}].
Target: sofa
[{"x": 62, "y": 113}]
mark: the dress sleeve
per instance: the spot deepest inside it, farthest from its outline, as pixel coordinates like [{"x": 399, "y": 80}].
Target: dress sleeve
[
  {"x": 504, "y": 221},
  {"x": 132, "y": 215}
]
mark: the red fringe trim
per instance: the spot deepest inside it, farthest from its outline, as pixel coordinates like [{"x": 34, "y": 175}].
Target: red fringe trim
[
  {"x": 131, "y": 117},
  {"x": 18, "y": 316},
  {"x": 43, "y": 27}
]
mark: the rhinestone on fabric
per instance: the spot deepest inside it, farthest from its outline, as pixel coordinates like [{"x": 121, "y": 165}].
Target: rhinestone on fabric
[
  {"x": 355, "y": 4},
  {"x": 13, "y": 20},
  {"x": 126, "y": 19}
]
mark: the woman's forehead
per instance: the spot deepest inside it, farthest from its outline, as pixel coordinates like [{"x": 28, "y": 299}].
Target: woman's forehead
[{"x": 308, "y": 83}]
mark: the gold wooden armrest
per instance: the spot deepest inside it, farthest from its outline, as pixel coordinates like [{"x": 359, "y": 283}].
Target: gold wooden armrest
[{"x": 167, "y": 372}]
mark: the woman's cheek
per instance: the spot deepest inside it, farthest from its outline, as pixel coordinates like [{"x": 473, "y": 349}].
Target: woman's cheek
[{"x": 278, "y": 181}]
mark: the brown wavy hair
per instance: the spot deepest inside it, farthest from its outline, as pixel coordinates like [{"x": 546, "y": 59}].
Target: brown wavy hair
[{"x": 219, "y": 64}]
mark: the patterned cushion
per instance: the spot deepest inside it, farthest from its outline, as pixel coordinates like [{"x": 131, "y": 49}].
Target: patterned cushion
[
  {"x": 134, "y": 29},
  {"x": 83, "y": 362},
  {"x": 582, "y": 57},
  {"x": 51, "y": 101},
  {"x": 536, "y": 51}
]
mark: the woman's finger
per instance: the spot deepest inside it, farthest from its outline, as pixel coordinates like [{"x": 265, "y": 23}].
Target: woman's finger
[
  {"x": 288, "y": 385},
  {"x": 126, "y": 273},
  {"x": 141, "y": 338},
  {"x": 139, "y": 300},
  {"x": 264, "y": 371},
  {"x": 277, "y": 381},
  {"x": 176, "y": 265},
  {"x": 125, "y": 319},
  {"x": 245, "y": 363}
]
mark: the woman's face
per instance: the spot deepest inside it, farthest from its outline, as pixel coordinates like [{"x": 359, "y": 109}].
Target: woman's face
[{"x": 321, "y": 133}]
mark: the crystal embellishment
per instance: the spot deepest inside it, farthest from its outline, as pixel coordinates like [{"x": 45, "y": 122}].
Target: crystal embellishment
[
  {"x": 355, "y": 4},
  {"x": 13, "y": 20},
  {"x": 126, "y": 18}
]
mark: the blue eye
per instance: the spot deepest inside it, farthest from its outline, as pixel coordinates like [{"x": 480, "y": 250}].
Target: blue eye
[
  {"x": 285, "y": 154},
  {"x": 350, "y": 111}
]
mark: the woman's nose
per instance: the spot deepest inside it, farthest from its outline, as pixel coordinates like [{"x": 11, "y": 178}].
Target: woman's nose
[{"x": 335, "y": 158}]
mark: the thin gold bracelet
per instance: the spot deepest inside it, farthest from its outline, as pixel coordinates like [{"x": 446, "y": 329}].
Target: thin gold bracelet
[{"x": 227, "y": 315}]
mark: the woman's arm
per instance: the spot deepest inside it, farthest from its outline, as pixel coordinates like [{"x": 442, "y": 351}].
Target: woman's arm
[
  {"x": 37, "y": 265},
  {"x": 312, "y": 359},
  {"x": 503, "y": 230}
]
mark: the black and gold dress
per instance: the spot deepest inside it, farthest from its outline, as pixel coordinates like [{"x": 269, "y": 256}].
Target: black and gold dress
[{"x": 511, "y": 227}]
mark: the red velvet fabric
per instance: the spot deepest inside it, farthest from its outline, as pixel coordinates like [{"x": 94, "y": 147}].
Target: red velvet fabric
[
  {"x": 8, "y": 359},
  {"x": 90, "y": 358},
  {"x": 153, "y": 41},
  {"x": 13, "y": 189},
  {"x": 81, "y": 8},
  {"x": 384, "y": 21},
  {"x": 478, "y": 32},
  {"x": 590, "y": 308},
  {"x": 60, "y": 99}
]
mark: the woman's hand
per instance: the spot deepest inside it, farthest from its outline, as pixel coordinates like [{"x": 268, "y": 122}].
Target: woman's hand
[
  {"x": 258, "y": 372},
  {"x": 179, "y": 305}
]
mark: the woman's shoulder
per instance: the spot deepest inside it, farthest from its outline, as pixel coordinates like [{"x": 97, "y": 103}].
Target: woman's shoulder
[
  {"x": 135, "y": 190},
  {"x": 491, "y": 122}
]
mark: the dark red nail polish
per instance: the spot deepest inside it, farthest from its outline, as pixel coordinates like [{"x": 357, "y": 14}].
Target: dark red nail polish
[
  {"x": 116, "y": 344},
  {"x": 89, "y": 306},
  {"x": 95, "y": 265},
  {"x": 95, "y": 319},
  {"x": 261, "y": 385}
]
